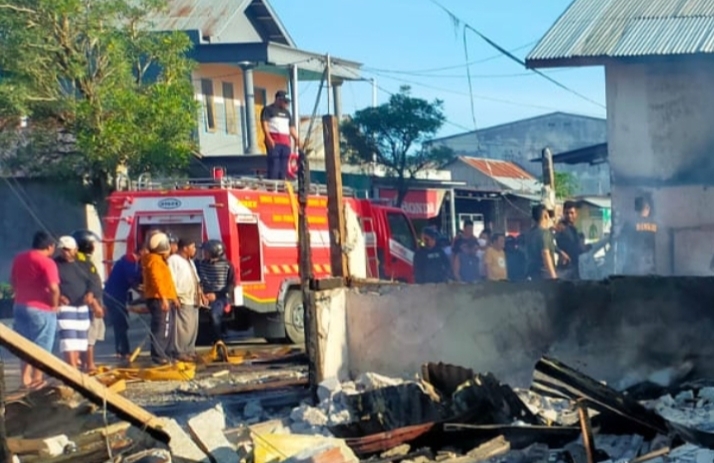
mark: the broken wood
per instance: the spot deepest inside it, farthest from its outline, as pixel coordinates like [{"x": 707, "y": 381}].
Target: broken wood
[
  {"x": 84, "y": 384},
  {"x": 651, "y": 455},
  {"x": 493, "y": 448},
  {"x": 555, "y": 379},
  {"x": 4, "y": 451},
  {"x": 586, "y": 429}
]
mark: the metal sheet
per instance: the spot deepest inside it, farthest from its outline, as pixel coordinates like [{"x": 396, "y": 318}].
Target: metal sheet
[{"x": 628, "y": 28}]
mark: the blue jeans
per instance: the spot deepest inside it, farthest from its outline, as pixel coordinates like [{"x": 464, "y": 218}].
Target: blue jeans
[
  {"x": 36, "y": 325},
  {"x": 278, "y": 158},
  {"x": 120, "y": 319},
  {"x": 217, "y": 307}
]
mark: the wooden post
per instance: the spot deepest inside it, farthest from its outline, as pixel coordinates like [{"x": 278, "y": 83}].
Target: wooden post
[
  {"x": 4, "y": 450},
  {"x": 84, "y": 384},
  {"x": 306, "y": 276},
  {"x": 335, "y": 212}
]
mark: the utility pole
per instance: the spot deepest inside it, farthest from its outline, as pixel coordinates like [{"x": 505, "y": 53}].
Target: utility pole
[
  {"x": 374, "y": 92},
  {"x": 306, "y": 276},
  {"x": 329, "y": 84},
  {"x": 335, "y": 212}
]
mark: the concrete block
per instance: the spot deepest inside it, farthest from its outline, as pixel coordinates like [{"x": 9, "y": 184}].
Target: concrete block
[
  {"x": 182, "y": 448},
  {"x": 207, "y": 430}
]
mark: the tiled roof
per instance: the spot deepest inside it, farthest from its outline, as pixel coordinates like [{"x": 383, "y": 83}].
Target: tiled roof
[{"x": 592, "y": 30}]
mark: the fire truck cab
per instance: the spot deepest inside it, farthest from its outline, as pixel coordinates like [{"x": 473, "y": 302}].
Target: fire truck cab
[{"x": 257, "y": 222}]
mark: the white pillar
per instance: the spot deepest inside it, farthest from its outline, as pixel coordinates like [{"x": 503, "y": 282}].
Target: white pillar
[
  {"x": 294, "y": 94},
  {"x": 250, "y": 119}
]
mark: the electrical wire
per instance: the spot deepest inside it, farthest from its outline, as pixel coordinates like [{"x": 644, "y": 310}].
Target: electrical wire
[
  {"x": 457, "y": 20},
  {"x": 456, "y": 66}
]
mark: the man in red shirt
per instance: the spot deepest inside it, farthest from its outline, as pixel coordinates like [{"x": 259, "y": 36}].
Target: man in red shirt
[
  {"x": 278, "y": 127},
  {"x": 35, "y": 281}
]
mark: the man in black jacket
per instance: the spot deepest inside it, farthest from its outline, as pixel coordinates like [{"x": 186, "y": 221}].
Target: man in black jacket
[
  {"x": 430, "y": 262},
  {"x": 218, "y": 280}
]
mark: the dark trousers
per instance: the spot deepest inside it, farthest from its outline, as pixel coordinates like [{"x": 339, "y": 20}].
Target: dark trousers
[
  {"x": 278, "y": 158},
  {"x": 162, "y": 331},
  {"x": 217, "y": 307},
  {"x": 120, "y": 320}
]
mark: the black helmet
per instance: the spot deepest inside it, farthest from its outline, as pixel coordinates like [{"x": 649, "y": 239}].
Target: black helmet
[
  {"x": 85, "y": 240},
  {"x": 214, "y": 248}
]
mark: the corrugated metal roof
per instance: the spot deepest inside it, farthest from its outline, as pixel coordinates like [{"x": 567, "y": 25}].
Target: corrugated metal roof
[
  {"x": 628, "y": 28},
  {"x": 497, "y": 168},
  {"x": 507, "y": 174},
  {"x": 212, "y": 17}
]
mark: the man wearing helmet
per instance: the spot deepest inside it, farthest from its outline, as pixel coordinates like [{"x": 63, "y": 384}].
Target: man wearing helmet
[
  {"x": 217, "y": 276},
  {"x": 86, "y": 240},
  {"x": 161, "y": 297}
]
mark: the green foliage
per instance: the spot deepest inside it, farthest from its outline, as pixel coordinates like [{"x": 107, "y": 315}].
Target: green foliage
[
  {"x": 6, "y": 292},
  {"x": 99, "y": 88},
  {"x": 393, "y": 136},
  {"x": 565, "y": 185}
]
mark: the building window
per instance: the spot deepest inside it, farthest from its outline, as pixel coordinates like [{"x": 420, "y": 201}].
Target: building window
[
  {"x": 210, "y": 104},
  {"x": 230, "y": 102},
  {"x": 261, "y": 96}
]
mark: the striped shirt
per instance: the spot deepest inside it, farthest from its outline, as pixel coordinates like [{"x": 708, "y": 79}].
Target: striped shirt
[
  {"x": 73, "y": 326},
  {"x": 217, "y": 277}
]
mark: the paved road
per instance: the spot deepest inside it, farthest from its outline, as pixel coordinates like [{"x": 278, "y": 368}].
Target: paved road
[{"x": 105, "y": 355}]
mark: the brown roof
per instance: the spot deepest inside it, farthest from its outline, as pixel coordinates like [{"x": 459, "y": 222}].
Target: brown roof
[{"x": 497, "y": 168}]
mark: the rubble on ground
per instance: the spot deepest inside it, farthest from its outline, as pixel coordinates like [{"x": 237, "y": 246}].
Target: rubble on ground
[{"x": 444, "y": 414}]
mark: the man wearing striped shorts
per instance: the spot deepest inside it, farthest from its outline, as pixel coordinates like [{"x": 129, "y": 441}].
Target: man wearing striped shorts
[{"x": 75, "y": 296}]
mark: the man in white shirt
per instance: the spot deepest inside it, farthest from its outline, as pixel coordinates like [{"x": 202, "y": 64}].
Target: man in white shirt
[{"x": 189, "y": 293}]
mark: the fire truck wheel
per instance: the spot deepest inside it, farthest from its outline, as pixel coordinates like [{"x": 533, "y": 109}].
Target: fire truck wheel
[{"x": 293, "y": 317}]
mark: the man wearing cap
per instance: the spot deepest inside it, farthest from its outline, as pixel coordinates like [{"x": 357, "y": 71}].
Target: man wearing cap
[
  {"x": 278, "y": 127},
  {"x": 161, "y": 297},
  {"x": 75, "y": 296}
]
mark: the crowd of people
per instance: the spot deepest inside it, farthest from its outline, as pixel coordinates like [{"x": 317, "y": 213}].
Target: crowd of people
[
  {"x": 59, "y": 295},
  {"x": 549, "y": 250}
]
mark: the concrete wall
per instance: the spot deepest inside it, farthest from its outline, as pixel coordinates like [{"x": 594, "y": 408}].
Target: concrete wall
[
  {"x": 27, "y": 206},
  {"x": 521, "y": 141},
  {"x": 661, "y": 142},
  {"x": 618, "y": 331}
]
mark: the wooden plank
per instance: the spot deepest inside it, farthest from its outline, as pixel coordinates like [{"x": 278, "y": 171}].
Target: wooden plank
[
  {"x": 84, "y": 384},
  {"x": 335, "y": 211}
]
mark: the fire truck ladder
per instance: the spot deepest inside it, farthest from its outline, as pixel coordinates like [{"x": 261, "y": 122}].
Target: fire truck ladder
[{"x": 146, "y": 183}]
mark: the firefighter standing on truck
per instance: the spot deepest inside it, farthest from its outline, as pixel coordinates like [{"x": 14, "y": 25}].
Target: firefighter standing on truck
[
  {"x": 279, "y": 127},
  {"x": 218, "y": 280},
  {"x": 85, "y": 246}
]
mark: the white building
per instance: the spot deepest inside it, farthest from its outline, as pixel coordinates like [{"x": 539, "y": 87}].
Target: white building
[{"x": 659, "y": 71}]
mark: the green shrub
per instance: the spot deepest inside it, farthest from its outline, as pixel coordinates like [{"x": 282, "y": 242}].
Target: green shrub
[{"x": 6, "y": 291}]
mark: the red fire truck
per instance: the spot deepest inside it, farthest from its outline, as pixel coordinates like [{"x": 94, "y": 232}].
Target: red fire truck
[{"x": 257, "y": 221}]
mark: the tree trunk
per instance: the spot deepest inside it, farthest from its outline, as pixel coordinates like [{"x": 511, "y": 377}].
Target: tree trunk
[{"x": 402, "y": 190}]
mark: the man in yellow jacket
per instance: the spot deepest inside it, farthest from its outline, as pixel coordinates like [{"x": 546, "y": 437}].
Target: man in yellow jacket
[{"x": 161, "y": 297}]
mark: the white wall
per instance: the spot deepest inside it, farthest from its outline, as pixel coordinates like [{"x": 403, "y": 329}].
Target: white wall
[
  {"x": 615, "y": 330},
  {"x": 660, "y": 118}
]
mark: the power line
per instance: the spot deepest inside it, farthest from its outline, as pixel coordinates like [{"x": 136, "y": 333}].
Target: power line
[
  {"x": 458, "y": 21},
  {"x": 473, "y": 76},
  {"x": 455, "y": 66},
  {"x": 476, "y": 96}
]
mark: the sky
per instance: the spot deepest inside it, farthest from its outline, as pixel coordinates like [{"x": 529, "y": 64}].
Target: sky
[{"x": 410, "y": 42}]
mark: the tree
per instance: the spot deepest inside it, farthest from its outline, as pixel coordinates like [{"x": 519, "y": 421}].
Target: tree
[
  {"x": 99, "y": 89},
  {"x": 394, "y": 136},
  {"x": 565, "y": 185}
]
